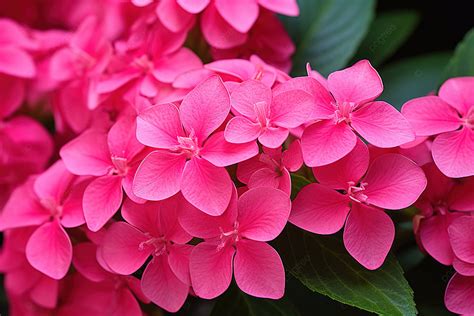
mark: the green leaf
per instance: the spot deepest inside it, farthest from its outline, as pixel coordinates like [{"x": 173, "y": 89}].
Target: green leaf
[
  {"x": 412, "y": 77},
  {"x": 462, "y": 62},
  {"x": 387, "y": 33},
  {"x": 324, "y": 266},
  {"x": 235, "y": 302},
  {"x": 297, "y": 183},
  {"x": 328, "y": 32}
]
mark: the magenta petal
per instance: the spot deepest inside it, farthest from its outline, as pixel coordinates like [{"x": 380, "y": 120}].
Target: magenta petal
[
  {"x": 145, "y": 217},
  {"x": 462, "y": 267},
  {"x": 168, "y": 225},
  {"x": 453, "y": 152},
  {"x": 273, "y": 137},
  {"x": 211, "y": 269},
  {"x": 319, "y": 209},
  {"x": 178, "y": 260},
  {"x": 325, "y": 142},
  {"x": 258, "y": 269},
  {"x": 241, "y": 130},
  {"x": 168, "y": 68},
  {"x": 159, "y": 126},
  {"x": 15, "y": 62},
  {"x": 159, "y": 175},
  {"x": 458, "y": 93},
  {"x": 102, "y": 198},
  {"x": 49, "y": 250},
  {"x": 263, "y": 213},
  {"x": 161, "y": 285},
  {"x": 45, "y": 292},
  {"x": 73, "y": 212},
  {"x": 205, "y": 108},
  {"x": 292, "y": 158},
  {"x": 462, "y": 238},
  {"x": 435, "y": 239},
  {"x": 461, "y": 197},
  {"x": 431, "y": 115},
  {"x": 394, "y": 182},
  {"x": 12, "y": 93},
  {"x": 122, "y": 138},
  {"x": 240, "y": 14},
  {"x": 249, "y": 93},
  {"x": 460, "y": 295},
  {"x": 264, "y": 177},
  {"x": 173, "y": 16},
  {"x": 382, "y": 125},
  {"x": 207, "y": 187},
  {"x": 193, "y": 6},
  {"x": 301, "y": 108},
  {"x": 222, "y": 153},
  {"x": 368, "y": 235},
  {"x": 54, "y": 182},
  {"x": 122, "y": 248},
  {"x": 84, "y": 260}
]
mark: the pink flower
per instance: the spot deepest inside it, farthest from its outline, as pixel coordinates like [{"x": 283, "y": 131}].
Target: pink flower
[
  {"x": 271, "y": 168},
  {"x": 236, "y": 240},
  {"x": 391, "y": 182},
  {"x": 265, "y": 114},
  {"x": 112, "y": 158},
  {"x": 50, "y": 202},
  {"x": 190, "y": 160},
  {"x": 460, "y": 294},
  {"x": 462, "y": 242},
  {"x": 450, "y": 117},
  {"x": 152, "y": 229},
  {"x": 349, "y": 106}
]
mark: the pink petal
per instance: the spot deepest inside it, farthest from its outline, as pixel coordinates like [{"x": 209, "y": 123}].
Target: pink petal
[
  {"x": 464, "y": 268},
  {"x": 453, "y": 152},
  {"x": 238, "y": 69},
  {"x": 45, "y": 292},
  {"x": 161, "y": 285},
  {"x": 461, "y": 197},
  {"x": 264, "y": 177},
  {"x": 178, "y": 260},
  {"x": 123, "y": 250},
  {"x": 460, "y": 295},
  {"x": 430, "y": 115},
  {"x": 241, "y": 130},
  {"x": 263, "y": 213},
  {"x": 193, "y": 6},
  {"x": 169, "y": 67},
  {"x": 49, "y": 250},
  {"x": 368, "y": 235},
  {"x": 12, "y": 93},
  {"x": 241, "y": 15},
  {"x": 87, "y": 154},
  {"x": 461, "y": 237},
  {"x": 221, "y": 153},
  {"x": 173, "y": 16},
  {"x": 246, "y": 168},
  {"x": 63, "y": 65},
  {"x": 249, "y": 93},
  {"x": 394, "y": 182},
  {"x": 205, "y": 108},
  {"x": 292, "y": 158},
  {"x": 15, "y": 62},
  {"x": 325, "y": 142},
  {"x": 207, "y": 187},
  {"x": 350, "y": 168},
  {"x": 122, "y": 138},
  {"x": 169, "y": 226},
  {"x": 159, "y": 175},
  {"x": 145, "y": 217},
  {"x": 288, "y": 7},
  {"x": 359, "y": 83},
  {"x": 319, "y": 209},
  {"x": 148, "y": 86},
  {"x": 102, "y": 198},
  {"x": 128, "y": 304},
  {"x": 382, "y": 125},
  {"x": 273, "y": 137},
  {"x": 211, "y": 269},
  {"x": 302, "y": 105},
  {"x": 53, "y": 183},
  {"x": 159, "y": 126},
  {"x": 258, "y": 269},
  {"x": 73, "y": 213},
  {"x": 458, "y": 93},
  {"x": 435, "y": 239},
  {"x": 84, "y": 260}
]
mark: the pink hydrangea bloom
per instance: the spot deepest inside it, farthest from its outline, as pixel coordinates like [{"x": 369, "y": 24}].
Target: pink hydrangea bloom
[
  {"x": 152, "y": 229},
  {"x": 112, "y": 158},
  {"x": 460, "y": 294},
  {"x": 390, "y": 182},
  {"x": 188, "y": 149},
  {"x": 347, "y": 106},
  {"x": 236, "y": 241},
  {"x": 450, "y": 117}
]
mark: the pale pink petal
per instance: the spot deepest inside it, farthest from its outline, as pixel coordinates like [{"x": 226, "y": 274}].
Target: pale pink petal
[
  {"x": 435, "y": 239},
  {"x": 173, "y": 16},
  {"x": 368, "y": 235},
  {"x": 207, "y": 187},
  {"x": 159, "y": 175},
  {"x": 240, "y": 14},
  {"x": 292, "y": 158},
  {"x": 161, "y": 285},
  {"x": 287, "y": 7},
  {"x": 205, "y": 108},
  {"x": 102, "y": 198},
  {"x": 453, "y": 152},
  {"x": 462, "y": 238},
  {"x": 193, "y": 6},
  {"x": 350, "y": 168},
  {"x": 88, "y": 154},
  {"x": 169, "y": 67},
  {"x": 123, "y": 248},
  {"x": 258, "y": 269},
  {"x": 49, "y": 250},
  {"x": 359, "y": 83},
  {"x": 122, "y": 138},
  {"x": 221, "y": 153},
  {"x": 460, "y": 295},
  {"x": 458, "y": 93},
  {"x": 382, "y": 125},
  {"x": 263, "y": 213},
  {"x": 45, "y": 292},
  {"x": 84, "y": 260},
  {"x": 319, "y": 209},
  {"x": 241, "y": 130},
  {"x": 292, "y": 108},
  {"x": 273, "y": 137},
  {"x": 393, "y": 182},
  {"x": 211, "y": 269},
  {"x": 249, "y": 93},
  {"x": 325, "y": 142},
  {"x": 16, "y": 62},
  {"x": 430, "y": 115},
  {"x": 178, "y": 260}
]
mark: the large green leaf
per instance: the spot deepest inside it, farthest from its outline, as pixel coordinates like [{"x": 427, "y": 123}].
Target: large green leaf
[
  {"x": 462, "y": 62},
  {"x": 413, "y": 77},
  {"x": 387, "y": 33},
  {"x": 324, "y": 266},
  {"x": 328, "y": 32}
]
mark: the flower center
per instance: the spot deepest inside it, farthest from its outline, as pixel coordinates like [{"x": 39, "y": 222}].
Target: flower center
[
  {"x": 356, "y": 193},
  {"x": 469, "y": 119},
  {"x": 121, "y": 166},
  {"x": 229, "y": 238},
  {"x": 343, "y": 112},
  {"x": 441, "y": 208},
  {"x": 260, "y": 109},
  {"x": 54, "y": 209},
  {"x": 144, "y": 63},
  {"x": 189, "y": 146},
  {"x": 158, "y": 244}
]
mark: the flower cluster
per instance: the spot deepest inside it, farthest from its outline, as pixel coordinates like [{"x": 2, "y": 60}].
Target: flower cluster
[{"x": 164, "y": 176}]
